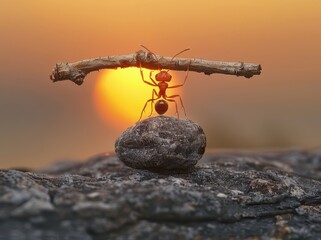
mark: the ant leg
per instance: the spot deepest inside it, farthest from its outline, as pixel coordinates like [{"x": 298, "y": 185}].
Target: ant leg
[
  {"x": 173, "y": 96},
  {"x": 150, "y": 76},
  {"x": 142, "y": 74},
  {"x": 152, "y": 102},
  {"x": 172, "y": 100},
  {"x": 141, "y": 114},
  {"x": 180, "y": 85}
]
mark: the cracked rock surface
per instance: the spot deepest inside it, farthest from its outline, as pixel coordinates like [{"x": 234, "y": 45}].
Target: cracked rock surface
[
  {"x": 160, "y": 143},
  {"x": 228, "y": 195}
]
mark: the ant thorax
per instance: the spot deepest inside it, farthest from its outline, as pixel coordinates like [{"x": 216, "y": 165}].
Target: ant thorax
[
  {"x": 162, "y": 88},
  {"x": 163, "y": 76}
]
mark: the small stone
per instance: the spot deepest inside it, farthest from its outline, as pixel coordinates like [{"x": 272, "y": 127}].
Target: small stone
[
  {"x": 161, "y": 143},
  {"x": 221, "y": 195}
]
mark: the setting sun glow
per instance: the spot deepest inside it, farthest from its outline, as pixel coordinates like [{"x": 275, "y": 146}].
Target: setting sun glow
[{"x": 120, "y": 96}]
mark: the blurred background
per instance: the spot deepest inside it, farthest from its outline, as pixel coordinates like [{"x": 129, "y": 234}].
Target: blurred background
[{"x": 42, "y": 122}]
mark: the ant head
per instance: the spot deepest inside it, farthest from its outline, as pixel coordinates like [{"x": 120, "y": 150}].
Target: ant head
[{"x": 163, "y": 76}]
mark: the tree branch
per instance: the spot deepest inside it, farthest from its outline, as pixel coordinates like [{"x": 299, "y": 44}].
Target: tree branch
[{"x": 77, "y": 71}]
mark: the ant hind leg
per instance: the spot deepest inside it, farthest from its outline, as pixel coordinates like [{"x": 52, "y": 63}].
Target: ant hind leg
[
  {"x": 150, "y": 100},
  {"x": 180, "y": 99},
  {"x": 172, "y": 100}
]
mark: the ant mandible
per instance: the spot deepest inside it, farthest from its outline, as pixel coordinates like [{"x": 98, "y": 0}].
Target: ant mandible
[{"x": 162, "y": 78}]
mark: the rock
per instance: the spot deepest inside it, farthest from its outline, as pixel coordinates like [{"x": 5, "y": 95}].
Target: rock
[
  {"x": 228, "y": 195},
  {"x": 161, "y": 143}
]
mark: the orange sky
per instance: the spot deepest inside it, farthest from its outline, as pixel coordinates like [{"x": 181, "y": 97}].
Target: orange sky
[{"x": 42, "y": 122}]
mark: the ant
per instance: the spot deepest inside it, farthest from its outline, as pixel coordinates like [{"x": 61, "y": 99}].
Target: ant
[{"x": 163, "y": 77}]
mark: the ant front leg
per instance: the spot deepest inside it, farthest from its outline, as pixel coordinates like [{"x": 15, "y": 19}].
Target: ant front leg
[
  {"x": 142, "y": 74},
  {"x": 180, "y": 99},
  {"x": 180, "y": 85},
  {"x": 150, "y": 76}
]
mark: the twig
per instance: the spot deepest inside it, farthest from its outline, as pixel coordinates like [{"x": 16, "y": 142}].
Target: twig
[{"x": 77, "y": 71}]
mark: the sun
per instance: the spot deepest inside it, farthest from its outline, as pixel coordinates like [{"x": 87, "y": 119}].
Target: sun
[{"x": 120, "y": 95}]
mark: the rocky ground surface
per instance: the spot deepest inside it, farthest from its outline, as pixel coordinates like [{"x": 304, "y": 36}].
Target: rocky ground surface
[{"x": 228, "y": 195}]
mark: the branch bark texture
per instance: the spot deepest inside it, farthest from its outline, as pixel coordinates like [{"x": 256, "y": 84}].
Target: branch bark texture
[{"x": 77, "y": 71}]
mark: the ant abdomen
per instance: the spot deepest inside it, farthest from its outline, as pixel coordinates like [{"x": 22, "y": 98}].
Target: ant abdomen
[{"x": 161, "y": 107}]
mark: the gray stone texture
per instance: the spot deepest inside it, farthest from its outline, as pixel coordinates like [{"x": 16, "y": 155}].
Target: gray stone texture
[
  {"x": 228, "y": 195},
  {"x": 161, "y": 143}
]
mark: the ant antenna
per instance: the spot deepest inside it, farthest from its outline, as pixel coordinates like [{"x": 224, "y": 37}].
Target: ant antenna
[
  {"x": 153, "y": 54},
  {"x": 170, "y": 63}
]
